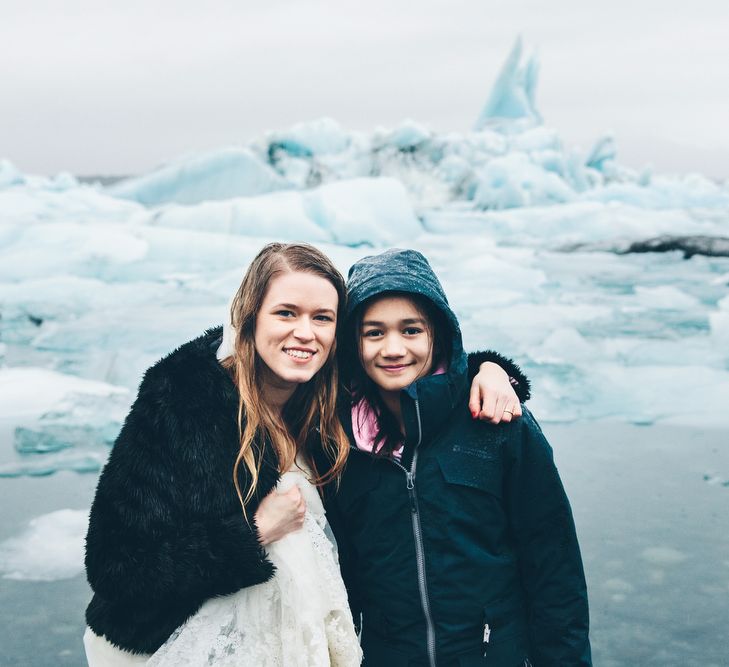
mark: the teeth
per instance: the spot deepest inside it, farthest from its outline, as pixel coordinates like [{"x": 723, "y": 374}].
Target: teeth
[{"x": 299, "y": 354}]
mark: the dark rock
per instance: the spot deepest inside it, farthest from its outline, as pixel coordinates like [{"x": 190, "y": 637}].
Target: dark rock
[{"x": 710, "y": 246}]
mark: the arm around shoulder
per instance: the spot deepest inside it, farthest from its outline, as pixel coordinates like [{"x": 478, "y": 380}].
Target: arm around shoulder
[{"x": 519, "y": 380}]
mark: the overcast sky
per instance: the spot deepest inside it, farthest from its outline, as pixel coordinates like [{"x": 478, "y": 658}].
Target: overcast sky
[{"x": 113, "y": 88}]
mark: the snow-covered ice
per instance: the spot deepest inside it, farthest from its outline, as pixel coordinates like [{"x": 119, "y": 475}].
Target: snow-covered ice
[
  {"x": 28, "y": 392},
  {"x": 222, "y": 174},
  {"x": 536, "y": 242},
  {"x": 49, "y": 549}
]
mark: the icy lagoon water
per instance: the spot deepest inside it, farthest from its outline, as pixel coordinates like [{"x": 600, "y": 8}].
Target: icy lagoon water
[{"x": 650, "y": 504}]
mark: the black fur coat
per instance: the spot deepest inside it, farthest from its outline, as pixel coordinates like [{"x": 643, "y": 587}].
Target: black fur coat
[{"x": 166, "y": 530}]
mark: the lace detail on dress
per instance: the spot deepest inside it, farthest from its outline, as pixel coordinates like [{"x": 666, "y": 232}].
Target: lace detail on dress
[{"x": 298, "y": 619}]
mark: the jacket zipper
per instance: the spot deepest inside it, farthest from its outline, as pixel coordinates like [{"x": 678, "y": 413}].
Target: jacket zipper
[
  {"x": 418, "y": 538},
  {"x": 419, "y": 549}
]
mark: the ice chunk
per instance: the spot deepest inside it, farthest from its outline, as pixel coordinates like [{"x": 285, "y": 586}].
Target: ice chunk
[
  {"x": 64, "y": 248},
  {"x": 719, "y": 323},
  {"x": 282, "y": 214},
  {"x": 28, "y": 441},
  {"x": 352, "y": 212},
  {"x": 220, "y": 174},
  {"x": 690, "y": 191},
  {"x": 408, "y": 136},
  {"x": 33, "y": 391},
  {"x": 50, "y": 549},
  {"x": 603, "y": 151},
  {"x": 665, "y": 297},
  {"x": 364, "y": 211},
  {"x": 512, "y": 96},
  {"x": 564, "y": 345},
  {"x": 39, "y": 203},
  {"x": 318, "y": 137},
  {"x": 63, "y": 181},
  {"x": 537, "y": 139},
  {"x": 514, "y": 181},
  {"x": 9, "y": 174},
  {"x": 73, "y": 459}
]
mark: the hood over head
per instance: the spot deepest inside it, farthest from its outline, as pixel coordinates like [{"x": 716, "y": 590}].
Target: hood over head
[{"x": 408, "y": 272}]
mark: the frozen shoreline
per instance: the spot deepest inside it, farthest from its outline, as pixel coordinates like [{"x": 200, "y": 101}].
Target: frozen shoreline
[{"x": 650, "y": 507}]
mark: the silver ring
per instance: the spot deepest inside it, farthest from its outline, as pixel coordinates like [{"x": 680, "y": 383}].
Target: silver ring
[{"x": 510, "y": 412}]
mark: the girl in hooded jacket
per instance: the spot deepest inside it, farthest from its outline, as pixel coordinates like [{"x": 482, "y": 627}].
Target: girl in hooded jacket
[{"x": 457, "y": 542}]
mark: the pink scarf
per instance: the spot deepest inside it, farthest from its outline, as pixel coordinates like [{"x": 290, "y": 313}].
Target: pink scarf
[{"x": 365, "y": 425}]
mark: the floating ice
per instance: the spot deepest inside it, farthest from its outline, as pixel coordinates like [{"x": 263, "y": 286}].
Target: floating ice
[
  {"x": 65, "y": 248},
  {"x": 50, "y": 549},
  {"x": 365, "y": 211},
  {"x": 28, "y": 392},
  {"x": 352, "y": 212},
  {"x": 75, "y": 460},
  {"x": 281, "y": 215},
  {"x": 408, "y": 136},
  {"x": 221, "y": 174},
  {"x": 317, "y": 137},
  {"x": 61, "y": 422},
  {"x": 38, "y": 203},
  {"x": 514, "y": 181}
]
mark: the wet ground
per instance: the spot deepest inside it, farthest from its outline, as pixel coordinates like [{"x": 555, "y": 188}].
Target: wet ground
[{"x": 652, "y": 509}]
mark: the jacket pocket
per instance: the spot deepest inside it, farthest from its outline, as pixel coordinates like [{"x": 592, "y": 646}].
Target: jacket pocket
[
  {"x": 506, "y": 631},
  {"x": 464, "y": 468}
]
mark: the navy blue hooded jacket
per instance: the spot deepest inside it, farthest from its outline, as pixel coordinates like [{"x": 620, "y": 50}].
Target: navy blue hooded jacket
[{"x": 464, "y": 552}]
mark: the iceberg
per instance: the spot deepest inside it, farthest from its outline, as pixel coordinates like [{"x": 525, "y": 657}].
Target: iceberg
[
  {"x": 513, "y": 95},
  {"x": 221, "y": 174}
]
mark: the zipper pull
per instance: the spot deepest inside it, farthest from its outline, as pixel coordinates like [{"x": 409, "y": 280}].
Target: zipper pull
[
  {"x": 486, "y": 637},
  {"x": 411, "y": 491}
]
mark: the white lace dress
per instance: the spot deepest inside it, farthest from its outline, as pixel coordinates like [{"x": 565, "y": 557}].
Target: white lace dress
[{"x": 300, "y": 618}]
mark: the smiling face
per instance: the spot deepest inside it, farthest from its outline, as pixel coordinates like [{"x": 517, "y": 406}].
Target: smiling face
[
  {"x": 396, "y": 345},
  {"x": 295, "y": 328}
]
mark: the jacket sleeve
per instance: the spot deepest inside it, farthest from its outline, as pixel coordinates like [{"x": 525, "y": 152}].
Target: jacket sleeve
[
  {"x": 145, "y": 540},
  {"x": 548, "y": 553},
  {"x": 519, "y": 381}
]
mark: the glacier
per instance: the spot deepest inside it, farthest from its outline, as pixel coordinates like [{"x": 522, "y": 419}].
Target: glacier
[{"x": 608, "y": 284}]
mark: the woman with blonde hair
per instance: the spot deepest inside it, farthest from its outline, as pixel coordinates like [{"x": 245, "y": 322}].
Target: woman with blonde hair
[{"x": 211, "y": 488}]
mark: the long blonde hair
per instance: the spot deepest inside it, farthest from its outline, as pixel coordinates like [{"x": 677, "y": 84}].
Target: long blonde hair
[{"x": 312, "y": 405}]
